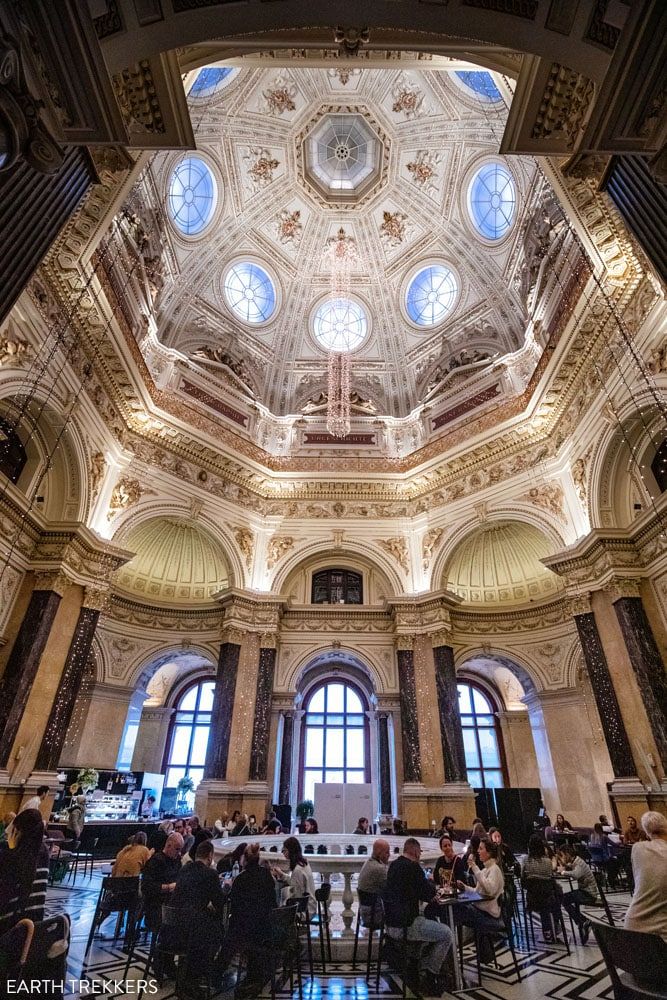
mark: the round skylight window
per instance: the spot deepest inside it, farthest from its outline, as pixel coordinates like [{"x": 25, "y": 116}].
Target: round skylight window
[
  {"x": 250, "y": 292},
  {"x": 480, "y": 83},
  {"x": 492, "y": 200},
  {"x": 431, "y": 295},
  {"x": 192, "y": 195},
  {"x": 212, "y": 79},
  {"x": 340, "y": 325}
]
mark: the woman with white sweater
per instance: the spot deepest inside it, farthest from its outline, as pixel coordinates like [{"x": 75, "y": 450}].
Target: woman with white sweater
[
  {"x": 298, "y": 880},
  {"x": 490, "y": 884}
]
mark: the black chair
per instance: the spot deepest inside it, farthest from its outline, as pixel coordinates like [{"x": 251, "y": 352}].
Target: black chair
[
  {"x": 322, "y": 920},
  {"x": 629, "y": 956},
  {"x": 538, "y": 898},
  {"x": 372, "y": 903},
  {"x": 117, "y": 895},
  {"x": 47, "y": 956},
  {"x": 303, "y": 923},
  {"x": 599, "y": 881},
  {"x": 84, "y": 855},
  {"x": 492, "y": 928},
  {"x": 283, "y": 947},
  {"x": 14, "y": 947}
]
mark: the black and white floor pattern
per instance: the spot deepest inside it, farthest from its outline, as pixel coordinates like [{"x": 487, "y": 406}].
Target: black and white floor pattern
[{"x": 546, "y": 970}]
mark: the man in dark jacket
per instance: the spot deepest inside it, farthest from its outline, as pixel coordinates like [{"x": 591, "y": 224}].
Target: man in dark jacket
[
  {"x": 200, "y": 902},
  {"x": 158, "y": 879},
  {"x": 407, "y": 887}
]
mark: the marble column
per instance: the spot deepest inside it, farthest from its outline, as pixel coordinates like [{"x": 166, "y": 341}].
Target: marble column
[
  {"x": 384, "y": 764},
  {"x": 286, "y": 750},
  {"x": 259, "y": 751},
  {"x": 223, "y": 708},
  {"x": 24, "y": 659},
  {"x": 613, "y": 727},
  {"x": 48, "y": 757},
  {"x": 647, "y": 665},
  {"x": 451, "y": 731},
  {"x": 412, "y": 771}
]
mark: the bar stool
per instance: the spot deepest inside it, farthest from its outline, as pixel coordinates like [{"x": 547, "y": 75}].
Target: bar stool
[
  {"x": 86, "y": 857},
  {"x": 321, "y": 921},
  {"x": 303, "y": 924},
  {"x": 375, "y": 922}
]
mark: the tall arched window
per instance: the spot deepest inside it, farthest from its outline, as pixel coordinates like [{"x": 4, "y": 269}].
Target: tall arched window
[
  {"x": 481, "y": 738},
  {"x": 188, "y": 738},
  {"x": 337, "y": 586},
  {"x": 335, "y": 741}
]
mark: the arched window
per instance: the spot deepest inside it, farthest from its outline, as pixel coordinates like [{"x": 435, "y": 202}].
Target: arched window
[
  {"x": 190, "y": 726},
  {"x": 481, "y": 738},
  {"x": 335, "y": 741},
  {"x": 12, "y": 453},
  {"x": 658, "y": 466},
  {"x": 337, "y": 586}
]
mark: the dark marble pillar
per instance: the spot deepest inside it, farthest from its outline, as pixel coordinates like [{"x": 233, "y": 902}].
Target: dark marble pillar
[
  {"x": 285, "y": 782},
  {"x": 613, "y": 726},
  {"x": 384, "y": 762},
  {"x": 648, "y": 666},
  {"x": 451, "y": 731},
  {"x": 217, "y": 753},
  {"x": 259, "y": 751},
  {"x": 68, "y": 691},
  {"x": 412, "y": 765},
  {"x": 22, "y": 665}
]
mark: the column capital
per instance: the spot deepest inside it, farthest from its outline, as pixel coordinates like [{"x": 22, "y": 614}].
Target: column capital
[
  {"x": 54, "y": 579},
  {"x": 95, "y": 598},
  {"x": 251, "y": 612},
  {"x": 620, "y": 587},
  {"x": 424, "y": 614},
  {"x": 403, "y": 642},
  {"x": 580, "y": 604}
]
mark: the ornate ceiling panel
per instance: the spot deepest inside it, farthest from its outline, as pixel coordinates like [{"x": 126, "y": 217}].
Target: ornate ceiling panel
[{"x": 271, "y": 138}]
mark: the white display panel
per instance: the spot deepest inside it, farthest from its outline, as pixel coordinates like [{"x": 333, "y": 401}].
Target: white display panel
[{"x": 338, "y": 806}]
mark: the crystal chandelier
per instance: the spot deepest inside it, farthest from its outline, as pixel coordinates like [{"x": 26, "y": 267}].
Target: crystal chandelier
[{"x": 342, "y": 251}]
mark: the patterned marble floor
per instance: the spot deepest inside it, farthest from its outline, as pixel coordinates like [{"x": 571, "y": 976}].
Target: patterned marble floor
[{"x": 546, "y": 970}]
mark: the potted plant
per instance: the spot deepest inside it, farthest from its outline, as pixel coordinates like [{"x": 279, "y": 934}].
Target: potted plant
[
  {"x": 304, "y": 810},
  {"x": 88, "y": 778},
  {"x": 184, "y": 787}
]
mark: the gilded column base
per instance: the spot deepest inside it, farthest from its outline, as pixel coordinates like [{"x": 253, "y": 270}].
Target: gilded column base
[
  {"x": 213, "y": 798},
  {"x": 422, "y": 805}
]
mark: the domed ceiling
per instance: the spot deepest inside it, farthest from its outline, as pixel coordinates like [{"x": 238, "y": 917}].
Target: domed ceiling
[
  {"x": 499, "y": 563},
  {"x": 175, "y": 560},
  {"x": 286, "y": 160}
]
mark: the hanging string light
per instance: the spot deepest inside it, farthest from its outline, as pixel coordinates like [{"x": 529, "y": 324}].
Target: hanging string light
[{"x": 342, "y": 252}]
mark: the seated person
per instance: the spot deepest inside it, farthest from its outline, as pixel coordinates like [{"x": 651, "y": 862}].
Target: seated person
[
  {"x": 199, "y": 834},
  {"x": 489, "y": 883},
  {"x": 131, "y": 859},
  {"x": 450, "y": 862},
  {"x": 311, "y": 825},
  {"x": 542, "y": 892},
  {"x": 200, "y": 902},
  {"x": 362, "y": 825},
  {"x": 648, "y": 909},
  {"x": 227, "y": 863},
  {"x": 298, "y": 880},
  {"x": 397, "y": 827},
  {"x": 478, "y": 829},
  {"x": 407, "y": 887},
  {"x": 472, "y": 850},
  {"x": 24, "y": 870},
  {"x": 252, "y": 897},
  {"x": 253, "y": 828},
  {"x": 241, "y": 827},
  {"x": 272, "y": 825},
  {"x": 508, "y": 863},
  {"x": 373, "y": 875},
  {"x": 562, "y": 825},
  {"x": 586, "y": 891},
  {"x": 158, "y": 879},
  {"x": 447, "y": 827},
  {"x": 633, "y": 833}
]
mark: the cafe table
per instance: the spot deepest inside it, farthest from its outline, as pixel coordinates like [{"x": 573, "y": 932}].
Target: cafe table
[{"x": 448, "y": 901}]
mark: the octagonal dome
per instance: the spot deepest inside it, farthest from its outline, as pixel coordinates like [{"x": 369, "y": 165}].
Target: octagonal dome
[{"x": 342, "y": 156}]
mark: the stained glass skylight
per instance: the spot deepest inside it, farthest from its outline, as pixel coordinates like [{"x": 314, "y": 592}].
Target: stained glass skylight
[
  {"x": 431, "y": 294},
  {"x": 340, "y": 325},
  {"x": 192, "y": 195},
  {"x": 250, "y": 292},
  {"x": 480, "y": 83},
  {"x": 492, "y": 200},
  {"x": 210, "y": 80}
]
